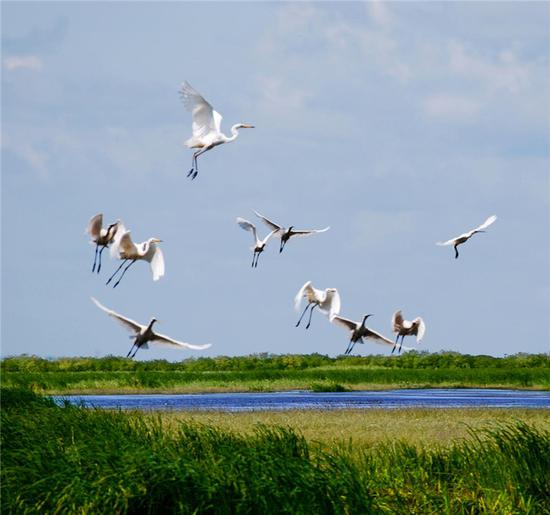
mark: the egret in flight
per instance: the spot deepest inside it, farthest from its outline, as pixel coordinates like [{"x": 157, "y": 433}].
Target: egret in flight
[
  {"x": 403, "y": 328},
  {"x": 124, "y": 248},
  {"x": 328, "y": 301},
  {"x": 459, "y": 240},
  {"x": 144, "y": 333},
  {"x": 359, "y": 331},
  {"x": 285, "y": 234},
  {"x": 206, "y": 125},
  {"x": 101, "y": 237},
  {"x": 259, "y": 245}
]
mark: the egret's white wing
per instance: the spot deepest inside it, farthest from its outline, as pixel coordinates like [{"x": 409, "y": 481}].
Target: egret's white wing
[
  {"x": 94, "y": 226},
  {"x": 120, "y": 231},
  {"x": 264, "y": 241},
  {"x": 126, "y": 245},
  {"x": 130, "y": 324},
  {"x": 335, "y": 304},
  {"x": 421, "y": 330},
  {"x": 346, "y": 323},
  {"x": 272, "y": 225},
  {"x": 205, "y": 119},
  {"x": 157, "y": 263},
  {"x": 448, "y": 242},
  {"x": 170, "y": 342},
  {"x": 247, "y": 226},
  {"x": 305, "y": 289},
  {"x": 378, "y": 338},
  {"x": 308, "y": 232},
  {"x": 491, "y": 220}
]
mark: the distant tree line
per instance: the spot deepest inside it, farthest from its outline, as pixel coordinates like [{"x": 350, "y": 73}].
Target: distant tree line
[{"x": 266, "y": 361}]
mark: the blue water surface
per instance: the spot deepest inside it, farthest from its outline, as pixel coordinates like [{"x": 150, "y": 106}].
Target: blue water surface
[{"x": 304, "y": 400}]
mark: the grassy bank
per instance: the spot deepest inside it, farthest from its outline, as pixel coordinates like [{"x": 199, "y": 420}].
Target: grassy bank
[
  {"x": 68, "y": 459},
  {"x": 269, "y": 373},
  {"x": 364, "y": 428}
]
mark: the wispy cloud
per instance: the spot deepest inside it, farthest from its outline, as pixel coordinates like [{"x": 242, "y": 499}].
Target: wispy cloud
[
  {"x": 505, "y": 71},
  {"x": 23, "y": 62}
]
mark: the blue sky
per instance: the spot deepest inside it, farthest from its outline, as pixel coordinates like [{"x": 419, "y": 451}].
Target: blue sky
[{"x": 397, "y": 124}]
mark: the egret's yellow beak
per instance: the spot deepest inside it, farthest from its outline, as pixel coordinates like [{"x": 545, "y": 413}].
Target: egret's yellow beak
[{"x": 247, "y": 126}]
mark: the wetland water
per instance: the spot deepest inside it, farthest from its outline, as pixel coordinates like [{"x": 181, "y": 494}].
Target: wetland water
[{"x": 303, "y": 400}]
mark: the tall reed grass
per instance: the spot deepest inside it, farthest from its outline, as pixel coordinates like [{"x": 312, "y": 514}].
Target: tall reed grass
[{"x": 73, "y": 460}]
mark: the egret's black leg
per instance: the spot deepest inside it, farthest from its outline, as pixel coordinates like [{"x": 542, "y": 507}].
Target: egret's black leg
[
  {"x": 95, "y": 258},
  {"x": 304, "y": 312},
  {"x": 257, "y": 259},
  {"x": 123, "y": 272},
  {"x": 116, "y": 271},
  {"x": 456, "y": 251},
  {"x": 131, "y": 349},
  {"x": 402, "y": 338},
  {"x": 311, "y": 313},
  {"x": 99, "y": 264},
  {"x": 395, "y": 344},
  {"x": 193, "y": 164},
  {"x": 351, "y": 348},
  {"x": 253, "y": 259},
  {"x": 282, "y": 246},
  {"x": 348, "y": 348},
  {"x": 135, "y": 352}
]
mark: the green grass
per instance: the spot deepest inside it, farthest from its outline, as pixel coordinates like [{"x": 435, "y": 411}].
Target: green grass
[
  {"x": 73, "y": 460},
  {"x": 269, "y": 373}
]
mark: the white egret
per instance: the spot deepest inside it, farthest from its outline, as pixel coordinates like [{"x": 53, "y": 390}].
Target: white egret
[
  {"x": 359, "y": 331},
  {"x": 285, "y": 234},
  {"x": 459, "y": 240},
  {"x": 328, "y": 301},
  {"x": 124, "y": 248},
  {"x": 403, "y": 328},
  {"x": 259, "y": 245},
  {"x": 144, "y": 333},
  {"x": 206, "y": 125},
  {"x": 101, "y": 237}
]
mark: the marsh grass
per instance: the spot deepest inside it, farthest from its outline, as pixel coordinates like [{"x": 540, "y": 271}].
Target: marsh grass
[
  {"x": 73, "y": 460},
  {"x": 270, "y": 373},
  {"x": 365, "y": 428}
]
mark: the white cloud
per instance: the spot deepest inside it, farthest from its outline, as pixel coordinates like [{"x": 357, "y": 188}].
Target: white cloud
[
  {"x": 504, "y": 72},
  {"x": 25, "y": 62},
  {"x": 451, "y": 107}
]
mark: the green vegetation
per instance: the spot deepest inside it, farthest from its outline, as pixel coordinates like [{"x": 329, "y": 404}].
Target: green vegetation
[
  {"x": 73, "y": 460},
  {"x": 328, "y": 428},
  {"x": 266, "y": 372}
]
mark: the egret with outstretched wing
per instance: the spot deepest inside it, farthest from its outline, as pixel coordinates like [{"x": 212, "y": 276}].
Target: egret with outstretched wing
[
  {"x": 101, "y": 237},
  {"x": 459, "y": 240},
  {"x": 143, "y": 334},
  {"x": 286, "y": 233},
  {"x": 124, "y": 248},
  {"x": 404, "y": 328},
  {"x": 359, "y": 331},
  {"x": 259, "y": 245},
  {"x": 206, "y": 125},
  {"x": 328, "y": 301}
]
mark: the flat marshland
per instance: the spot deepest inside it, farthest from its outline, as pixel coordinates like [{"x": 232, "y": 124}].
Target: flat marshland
[
  {"x": 68, "y": 459},
  {"x": 265, "y": 372}
]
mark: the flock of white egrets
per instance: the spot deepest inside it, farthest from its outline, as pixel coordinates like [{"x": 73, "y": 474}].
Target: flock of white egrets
[{"x": 207, "y": 135}]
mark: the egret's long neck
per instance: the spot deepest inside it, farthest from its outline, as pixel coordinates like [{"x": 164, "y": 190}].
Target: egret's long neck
[{"x": 235, "y": 132}]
